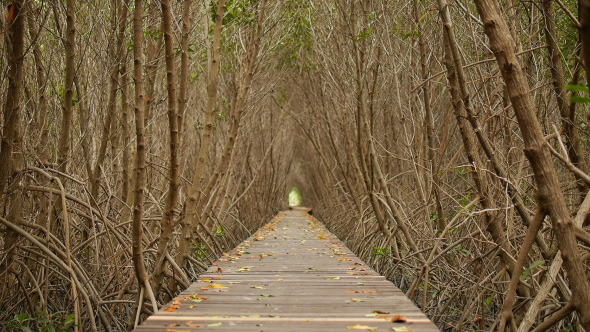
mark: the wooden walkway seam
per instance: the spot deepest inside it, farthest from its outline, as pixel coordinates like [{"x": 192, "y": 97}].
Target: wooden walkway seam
[{"x": 291, "y": 275}]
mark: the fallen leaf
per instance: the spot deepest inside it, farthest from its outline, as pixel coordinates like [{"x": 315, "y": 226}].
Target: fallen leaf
[
  {"x": 266, "y": 295},
  {"x": 191, "y": 324},
  {"x": 399, "y": 319},
  {"x": 321, "y": 237},
  {"x": 216, "y": 286},
  {"x": 334, "y": 278},
  {"x": 214, "y": 324},
  {"x": 172, "y": 325},
  {"x": 206, "y": 280},
  {"x": 373, "y": 315},
  {"x": 362, "y": 327}
]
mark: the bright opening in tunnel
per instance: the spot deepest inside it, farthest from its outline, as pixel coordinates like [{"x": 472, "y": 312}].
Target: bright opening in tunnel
[{"x": 294, "y": 197}]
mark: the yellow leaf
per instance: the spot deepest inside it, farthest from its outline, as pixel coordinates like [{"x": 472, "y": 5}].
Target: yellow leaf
[
  {"x": 216, "y": 286},
  {"x": 362, "y": 327}
]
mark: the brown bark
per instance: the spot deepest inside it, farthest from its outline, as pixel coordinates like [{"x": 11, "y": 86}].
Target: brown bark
[
  {"x": 139, "y": 167},
  {"x": 167, "y": 222},
  {"x": 194, "y": 192},
  {"x": 584, "y": 31},
  {"x": 550, "y": 197},
  {"x": 247, "y": 73},
  {"x": 124, "y": 122},
  {"x": 462, "y": 110},
  {"x": 11, "y": 154},
  {"x": 66, "y": 123},
  {"x": 429, "y": 120}
]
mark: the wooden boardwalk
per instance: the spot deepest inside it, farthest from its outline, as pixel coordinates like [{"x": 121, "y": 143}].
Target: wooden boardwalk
[{"x": 292, "y": 275}]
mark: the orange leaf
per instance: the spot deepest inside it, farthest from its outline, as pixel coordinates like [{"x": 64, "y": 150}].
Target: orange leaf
[
  {"x": 10, "y": 13},
  {"x": 399, "y": 319}
]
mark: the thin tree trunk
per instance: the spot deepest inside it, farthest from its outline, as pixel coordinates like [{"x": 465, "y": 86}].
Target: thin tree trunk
[
  {"x": 139, "y": 167},
  {"x": 194, "y": 192},
  {"x": 167, "y": 222},
  {"x": 69, "y": 45},
  {"x": 11, "y": 154},
  {"x": 584, "y": 31},
  {"x": 429, "y": 120}
]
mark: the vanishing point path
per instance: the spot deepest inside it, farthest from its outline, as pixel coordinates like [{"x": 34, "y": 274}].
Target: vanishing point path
[{"x": 292, "y": 275}]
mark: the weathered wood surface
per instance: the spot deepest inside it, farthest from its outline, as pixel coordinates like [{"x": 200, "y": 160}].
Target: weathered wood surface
[{"x": 292, "y": 275}]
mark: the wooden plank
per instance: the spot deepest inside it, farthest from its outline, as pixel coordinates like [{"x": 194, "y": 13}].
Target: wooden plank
[{"x": 292, "y": 275}]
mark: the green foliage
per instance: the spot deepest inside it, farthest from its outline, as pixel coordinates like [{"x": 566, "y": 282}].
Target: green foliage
[
  {"x": 236, "y": 11},
  {"x": 465, "y": 201},
  {"x": 200, "y": 251},
  {"x": 363, "y": 34},
  {"x": 151, "y": 34},
  {"x": 434, "y": 216},
  {"x": 461, "y": 251},
  {"x": 296, "y": 38},
  {"x": 461, "y": 171},
  {"x": 41, "y": 321},
  {"x": 529, "y": 270},
  {"x": 219, "y": 232},
  {"x": 488, "y": 304},
  {"x": 567, "y": 34},
  {"x": 575, "y": 89},
  {"x": 221, "y": 116},
  {"x": 380, "y": 252}
]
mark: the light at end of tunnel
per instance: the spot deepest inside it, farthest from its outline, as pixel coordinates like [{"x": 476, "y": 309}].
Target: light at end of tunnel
[{"x": 294, "y": 197}]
